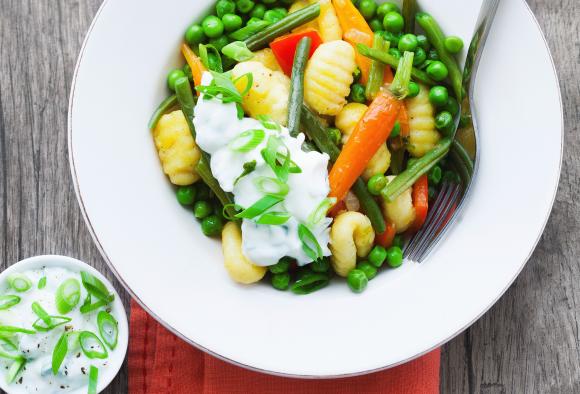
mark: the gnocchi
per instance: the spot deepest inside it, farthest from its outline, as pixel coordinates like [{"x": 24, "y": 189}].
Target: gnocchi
[
  {"x": 268, "y": 94},
  {"x": 326, "y": 24},
  {"x": 240, "y": 268},
  {"x": 422, "y": 133},
  {"x": 267, "y": 58},
  {"x": 400, "y": 212},
  {"x": 176, "y": 148},
  {"x": 351, "y": 235},
  {"x": 346, "y": 121},
  {"x": 328, "y": 77}
]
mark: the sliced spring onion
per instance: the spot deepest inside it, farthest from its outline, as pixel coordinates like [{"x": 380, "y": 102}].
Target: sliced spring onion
[
  {"x": 92, "y": 346},
  {"x": 41, "y": 313},
  {"x": 42, "y": 283},
  {"x": 278, "y": 161},
  {"x": 249, "y": 77},
  {"x": 309, "y": 283},
  {"x": 269, "y": 123},
  {"x": 310, "y": 245},
  {"x": 94, "y": 286},
  {"x": 8, "y": 301},
  {"x": 59, "y": 352},
  {"x": 247, "y": 141},
  {"x": 8, "y": 349},
  {"x": 229, "y": 208},
  {"x": 400, "y": 85},
  {"x": 15, "y": 369},
  {"x": 108, "y": 329},
  {"x": 238, "y": 51},
  {"x": 271, "y": 186},
  {"x": 204, "y": 53},
  {"x": 19, "y": 282},
  {"x": 259, "y": 207},
  {"x": 86, "y": 308},
  {"x": 320, "y": 212},
  {"x": 68, "y": 295},
  {"x": 13, "y": 330},
  {"x": 55, "y": 321},
  {"x": 249, "y": 167},
  {"x": 273, "y": 218},
  {"x": 223, "y": 85},
  {"x": 93, "y": 378}
]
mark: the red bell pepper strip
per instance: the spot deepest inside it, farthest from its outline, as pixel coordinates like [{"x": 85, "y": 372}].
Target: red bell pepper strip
[
  {"x": 284, "y": 48},
  {"x": 420, "y": 202},
  {"x": 386, "y": 239}
]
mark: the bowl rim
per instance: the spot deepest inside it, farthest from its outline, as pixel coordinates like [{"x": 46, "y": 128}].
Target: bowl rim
[
  {"x": 275, "y": 373},
  {"x": 76, "y": 265}
]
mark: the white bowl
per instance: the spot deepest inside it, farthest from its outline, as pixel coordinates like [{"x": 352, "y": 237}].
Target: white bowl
[
  {"x": 158, "y": 252},
  {"x": 117, "y": 356}
]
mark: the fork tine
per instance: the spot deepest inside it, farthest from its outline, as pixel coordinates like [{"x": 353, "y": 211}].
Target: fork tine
[
  {"x": 412, "y": 245},
  {"x": 440, "y": 222}
]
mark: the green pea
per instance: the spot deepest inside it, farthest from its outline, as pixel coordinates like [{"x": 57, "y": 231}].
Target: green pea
[
  {"x": 245, "y": 6},
  {"x": 443, "y": 120},
  {"x": 211, "y": 226},
  {"x": 385, "y": 8},
  {"x": 396, "y": 130},
  {"x": 232, "y": 22},
  {"x": 453, "y": 44},
  {"x": 435, "y": 175},
  {"x": 376, "y": 25},
  {"x": 408, "y": 43},
  {"x": 334, "y": 135},
  {"x": 414, "y": 89},
  {"x": 432, "y": 192},
  {"x": 395, "y": 52},
  {"x": 420, "y": 56},
  {"x": 377, "y": 256},
  {"x": 438, "y": 95},
  {"x": 367, "y": 8},
  {"x": 253, "y": 20},
  {"x": 394, "y": 257},
  {"x": 357, "y": 280},
  {"x": 398, "y": 241},
  {"x": 437, "y": 70},
  {"x": 392, "y": 38},
  {"x": 452, "y": 106},
  {"x": 258, "y": 11},
  {"x": 357, "y": 74},
  {"x": 451, "y": 176},
  {"x": 186, "y": 195},
  {"x": 281, "y": 281},
  {"x": 376, "y": 183},
  {"x": 281, "y": 266},
  {"x": 202, "y": 209},
  {"x": 173, "y": 76},
  {"x": 357, "y": 94},
  {"x": 273, "y": 16},
  {"x": 213, "y": 26},
  {"x": 187, "y": 71},
  {"x": 423, "y": 42},
  {"x": 219, "y": 42},
  {"x": 194, "y": 35},
  {"x": 433, "y": 55},
  {"x": 393, "y": 22},
  {"x": 223, "y": 7},
  {"x": 369, "y": 271},
  {"x": 320, "y": 266}
]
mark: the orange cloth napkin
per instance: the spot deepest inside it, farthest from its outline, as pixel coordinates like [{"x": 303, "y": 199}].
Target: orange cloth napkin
[{"x": 161, "y": 363}]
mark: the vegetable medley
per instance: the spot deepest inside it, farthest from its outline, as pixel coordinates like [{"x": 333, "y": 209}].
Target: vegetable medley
[{"x": 311, "y": 135}]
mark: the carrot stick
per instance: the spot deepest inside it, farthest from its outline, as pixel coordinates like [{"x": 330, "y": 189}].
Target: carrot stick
[
  {"x": 197, "y": 67},
  {"x": 356, "y": 30},
  {"x": 371, "y": 131},
  {"x": 386, "y": 239},
  {"x": 420, "y": 202}
]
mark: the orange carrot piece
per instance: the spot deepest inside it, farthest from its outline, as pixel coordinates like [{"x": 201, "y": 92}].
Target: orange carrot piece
[
  {"x": 386, "y": 239},
  {"x": 197, "y": 67},
  {"x": 369, "y": 134},
  {"x": 420, "y": 202}
]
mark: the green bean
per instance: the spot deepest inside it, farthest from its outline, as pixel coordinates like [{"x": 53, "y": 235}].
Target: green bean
[
  {"x": 186, "y": 102},
  {"x": 248, "y": 31},
  {"x": 317, "y": 133},
  {"x": 161, "y": 110},
  {"x": 377, "y": 71},
  {"x": 421, "y": 166},
  {"x": 296, "y": 100},
  {"x": 409, "y": 10},
  {"x": 387, "y": 58},
  {"x": 264, "y": 37},
  {"x": 463, "y": 162},
  {"x": 437, "y": 39}
]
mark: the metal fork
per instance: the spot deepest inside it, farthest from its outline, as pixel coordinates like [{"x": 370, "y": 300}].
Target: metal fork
[{"x": 452, "y": 196}]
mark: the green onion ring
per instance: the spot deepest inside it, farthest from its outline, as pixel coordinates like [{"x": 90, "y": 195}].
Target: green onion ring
[
  {"x": 320, "y": 212},
  {"x": 259, "y": 207},
  {"x": 15, "y": 369},
  {"x": 94, "y": 286},
  {"x": 271, "y": 186},
  {"x": 59, "y": 352},
  {"x": 8, "y": 301},
  {"x": 310, "y": 245},
  {"x": 8, "y": 349},
  {"x": 42, "y": 283},
  {"x": 41, "y": 313},
  {"x": 68, "y": 295},
  {"x": 108, "y": 329},
  {"x": 247, "y": 141},
  {"x": 19, "y": 282},
  {"x": 273, "y": 218},
  {"x": 93, "y": 377},
  {"x": 55, "y": 321},
  {"x": 85, "y": 339},
  {"x": 13, "y": 329}
]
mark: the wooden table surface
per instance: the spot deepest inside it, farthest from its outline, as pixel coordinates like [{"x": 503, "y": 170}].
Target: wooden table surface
[{"x": 528, "y": 342}]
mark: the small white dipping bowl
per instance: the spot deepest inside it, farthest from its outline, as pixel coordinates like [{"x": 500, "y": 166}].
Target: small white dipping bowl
[{"x": 117, "y": 356}]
